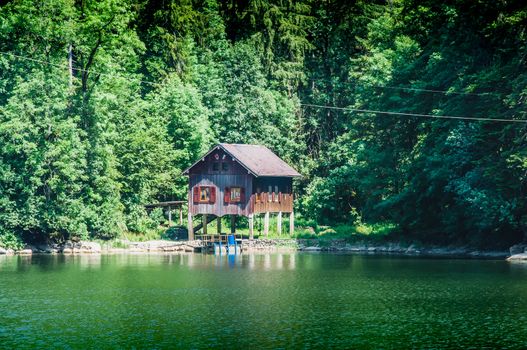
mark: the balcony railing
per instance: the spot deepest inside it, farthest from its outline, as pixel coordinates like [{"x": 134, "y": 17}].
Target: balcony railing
[{"x": 272, "y": 202}]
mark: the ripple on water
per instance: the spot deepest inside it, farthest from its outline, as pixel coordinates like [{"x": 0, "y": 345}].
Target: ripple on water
[{"x": 264, "y": 301}]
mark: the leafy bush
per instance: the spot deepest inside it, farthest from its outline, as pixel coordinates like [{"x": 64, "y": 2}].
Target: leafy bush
[{"x": 9, "y": 240}]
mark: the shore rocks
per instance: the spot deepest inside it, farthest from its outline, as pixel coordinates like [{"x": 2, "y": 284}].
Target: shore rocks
[
  {"x": 522, "y": 257},
  {"x": 165, "y": 246},
  {"x": 312, "y": 249},
  {"x": 4, "y": 251},
  {"x": 82, "y": 247},
  {"x": 264, "y": 245},
  {"x": 268, "y": 244}
]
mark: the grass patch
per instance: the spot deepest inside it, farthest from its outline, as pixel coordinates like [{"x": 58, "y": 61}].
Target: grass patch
[
  {"x": 304, "y": 229},
  {"x": 149, "y": 235},
  {"x": 114, "y": 243}
]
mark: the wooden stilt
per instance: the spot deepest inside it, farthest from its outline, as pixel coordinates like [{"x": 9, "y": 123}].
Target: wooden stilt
[
  {"x": 190, "y": 228},
  {"x": 251, "y": 226},
  {"x": 233, "y": 224},
  {"x": 180, "y": 215},
  {"x": 169, "y": 216},
  {"x": 218, "y": 221},
  {"x": 266, "y": 224},
  {"x": 292, "y": 223},
  {"x": 279, "y": 223},
  {"x": 204, "y": 223}
]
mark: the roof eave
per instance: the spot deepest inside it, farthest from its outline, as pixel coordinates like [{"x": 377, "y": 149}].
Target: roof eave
[{"x": 276, "y": 175}]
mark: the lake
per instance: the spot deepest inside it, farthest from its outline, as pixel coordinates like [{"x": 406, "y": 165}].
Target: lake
[{"x": 296, "y": 300}]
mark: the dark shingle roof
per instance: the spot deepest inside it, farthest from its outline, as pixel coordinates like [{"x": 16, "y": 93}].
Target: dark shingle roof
[{"x": 257, "y": 159}]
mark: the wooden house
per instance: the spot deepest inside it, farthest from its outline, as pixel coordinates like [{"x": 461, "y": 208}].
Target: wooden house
[{"x": 238, "y": 179}]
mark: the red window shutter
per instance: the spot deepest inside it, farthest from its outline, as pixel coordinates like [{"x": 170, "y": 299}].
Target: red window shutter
[
  {"x": 227, "y": 195},
  {"x": 242, "y": 194},
  {"x": 196, "y": 194},
  {"x": 213, "y": 194}
]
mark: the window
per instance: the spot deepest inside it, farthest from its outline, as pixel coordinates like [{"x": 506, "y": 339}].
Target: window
[
  {"x": 217, "y": 166},
  {"x": 275, "y": 194},
  {"x": 204, "y": 194},
  {"x": 234, "y": 194},
  {"x": 258, "y": 194},
  {"x": 270, "y": 193}
]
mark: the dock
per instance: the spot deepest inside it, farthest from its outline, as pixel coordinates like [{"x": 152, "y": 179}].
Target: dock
[{"x": 221, "y": 244}]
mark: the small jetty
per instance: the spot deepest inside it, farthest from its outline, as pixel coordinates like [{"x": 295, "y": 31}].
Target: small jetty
[{"x": 221, "y": 244}]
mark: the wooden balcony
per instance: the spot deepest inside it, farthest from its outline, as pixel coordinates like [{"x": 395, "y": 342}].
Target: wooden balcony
[{"x": 272, "y": 202}]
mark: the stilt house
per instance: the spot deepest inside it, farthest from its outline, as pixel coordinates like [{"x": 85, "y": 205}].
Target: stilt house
[{"x": 238, "y": 179}]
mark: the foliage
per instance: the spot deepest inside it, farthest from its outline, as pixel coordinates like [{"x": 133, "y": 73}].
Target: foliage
[
  {"x": 9, "y": 240},
  {"x": 152, "y": 85}
]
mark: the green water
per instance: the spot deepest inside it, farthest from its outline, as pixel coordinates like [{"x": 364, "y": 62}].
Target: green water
[{"x": 260, "y": 301}]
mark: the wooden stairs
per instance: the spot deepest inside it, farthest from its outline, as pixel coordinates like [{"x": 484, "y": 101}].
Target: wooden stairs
[{"x": 210, "y": 218}]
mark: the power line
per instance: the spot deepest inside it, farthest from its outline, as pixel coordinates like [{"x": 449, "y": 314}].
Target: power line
[
  {"x": 444, "y": 92},
  {"x": 416, "y": 114},
  {"x": 75, "y": 69},
  {"x": 326, "y": 80},
  {"x": 302, "y": 104}
]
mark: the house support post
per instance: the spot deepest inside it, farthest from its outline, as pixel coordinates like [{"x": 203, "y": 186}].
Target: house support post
[
  {"x": 218, "y": 219},
  {"x": 190, "y": 228},
  {"x": 266, "y": 224},
  {"x": 204, "y": 223},
  {"x": 279, "y": 223},
  {"x": 169, "y": 216},
  {"x": 233, "y": 224},
  {"x": 292, "y": 223},
  {"x": 180, "y": 215},
  {"x": 251, "y": 226}
]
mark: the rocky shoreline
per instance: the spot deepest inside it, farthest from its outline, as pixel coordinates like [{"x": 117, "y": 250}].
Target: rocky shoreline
[
  {"x": 88, "y": 247},
  {"x": 516, "y": 253}
]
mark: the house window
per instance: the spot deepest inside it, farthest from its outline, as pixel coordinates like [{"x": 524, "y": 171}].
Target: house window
[
  {"x": 236, "y": 194},
  {"x": 204, "y": 194},
  {"x": 270, "y": 193},
  {"x": 258, "y": 194},
  {"x": 216, "y": 166},
  {"x": 275, "y": 194},
  {"x": 224, "y": 166}
]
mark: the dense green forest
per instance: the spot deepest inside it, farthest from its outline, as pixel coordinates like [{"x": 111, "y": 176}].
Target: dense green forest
[{"x": 104, "y": 103}]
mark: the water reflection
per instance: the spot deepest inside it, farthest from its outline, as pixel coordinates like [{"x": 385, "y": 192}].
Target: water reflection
[
  {"x": 262, "y": 261},
  {"x": 254, "y": 261},
  {"x": 267, "y": 300},
  {"x": 92, "y": 262}
]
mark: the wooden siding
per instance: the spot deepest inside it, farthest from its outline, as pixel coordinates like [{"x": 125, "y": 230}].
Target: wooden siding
[
  {"x": 220, "y": 208},
  {"x": 272, "y": 202},
  {"x": 203, "y": 174},
  {"x": 206, "y": 165}
]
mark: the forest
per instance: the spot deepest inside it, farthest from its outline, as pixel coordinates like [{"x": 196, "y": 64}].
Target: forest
[{"x": 401, "y": 112}]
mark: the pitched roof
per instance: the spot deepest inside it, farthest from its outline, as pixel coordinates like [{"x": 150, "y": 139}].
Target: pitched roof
[{"x": 257, "y": 159}]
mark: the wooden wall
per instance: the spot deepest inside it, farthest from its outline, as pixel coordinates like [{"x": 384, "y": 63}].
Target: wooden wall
[
  {"x": 236, "y": 176},
  {"x": 202, "y": 174},
  {"x": 272, "y": 202}
]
